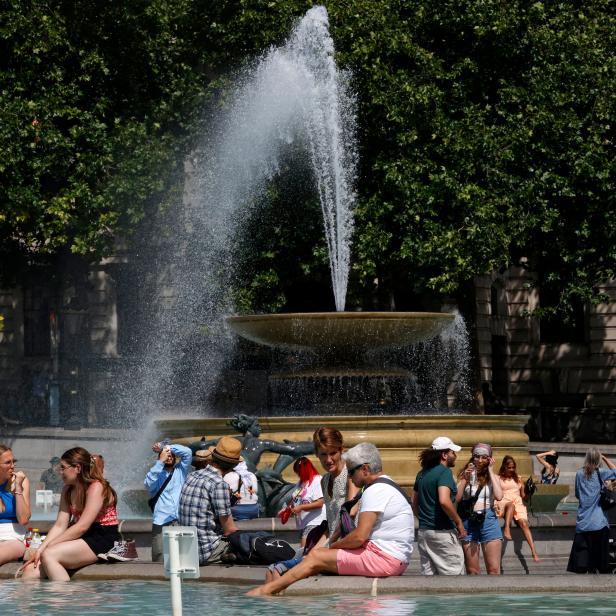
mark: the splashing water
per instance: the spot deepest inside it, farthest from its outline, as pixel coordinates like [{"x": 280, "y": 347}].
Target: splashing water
[{"x": 295, "y": 94}]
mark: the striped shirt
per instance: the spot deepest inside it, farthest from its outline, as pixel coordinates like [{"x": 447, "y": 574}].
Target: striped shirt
[{"x": 204, "y": 499}]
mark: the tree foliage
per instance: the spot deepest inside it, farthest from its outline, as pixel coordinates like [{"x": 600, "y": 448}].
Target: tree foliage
[{"x": 485, "y": 130}]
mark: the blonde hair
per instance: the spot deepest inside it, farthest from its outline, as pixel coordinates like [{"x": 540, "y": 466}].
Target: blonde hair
[
  {"x": 592, "y": 461},
  {"x": 90, "y": 472}
]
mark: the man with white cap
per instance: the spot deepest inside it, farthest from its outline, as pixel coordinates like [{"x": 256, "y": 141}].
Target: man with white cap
[{"x": 440, "y": 526}]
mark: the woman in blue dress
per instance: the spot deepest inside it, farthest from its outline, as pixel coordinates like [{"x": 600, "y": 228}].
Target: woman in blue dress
[
  {"x": 590, "y": 550},
  {"x": 14, "y": 507}
]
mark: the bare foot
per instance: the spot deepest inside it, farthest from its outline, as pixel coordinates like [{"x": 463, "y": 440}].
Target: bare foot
[
  {"x": 536, "y": 557},
  {"x": 256, "y": 592},
  {"x": 507, "y": 534}
]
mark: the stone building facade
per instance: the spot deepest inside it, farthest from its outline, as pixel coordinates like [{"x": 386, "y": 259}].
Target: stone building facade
[{"x": 562, "y": 373}]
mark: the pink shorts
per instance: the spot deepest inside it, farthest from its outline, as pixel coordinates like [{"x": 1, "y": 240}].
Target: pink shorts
[{"x": 369, "y": 561}]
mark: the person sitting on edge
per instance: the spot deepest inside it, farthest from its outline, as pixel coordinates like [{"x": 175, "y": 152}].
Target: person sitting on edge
[
  {"x": 164, "y": 482},
  {"x": 379, "y": 546},
  {"x": 550, "y": 471},
  {"x": 50, "y": 479},
  {"x": 205, "y": 502},
  {"x": 440, "y": 526},
  {"x": 87, "y": 523},
  {"x": 245, "y": 489},
  {"x": 14, "y": 507}
]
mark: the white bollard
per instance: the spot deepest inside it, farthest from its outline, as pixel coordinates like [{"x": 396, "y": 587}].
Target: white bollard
[{"x": 181, "y": 559}]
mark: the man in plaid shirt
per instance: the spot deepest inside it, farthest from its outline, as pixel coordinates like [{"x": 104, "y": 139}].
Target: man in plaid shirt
[{"x": 205, "y": 501}]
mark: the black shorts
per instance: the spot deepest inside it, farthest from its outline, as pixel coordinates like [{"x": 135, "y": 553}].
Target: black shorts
[{"x": 100, "y": 539}]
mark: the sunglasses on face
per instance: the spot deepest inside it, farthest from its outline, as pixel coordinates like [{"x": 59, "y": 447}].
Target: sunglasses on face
[{"x": 356, "y": 468}]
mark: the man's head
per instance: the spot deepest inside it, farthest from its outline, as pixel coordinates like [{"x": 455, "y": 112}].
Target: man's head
[
  {"x": 167, "y": 458},
  {"x": 203, "y": 457},
  {"x": 447, "y": 450},
  {"x": 363, "y": 463},
  {"x": 54, "y": 462},
  {"x": 226, "y": 454}
]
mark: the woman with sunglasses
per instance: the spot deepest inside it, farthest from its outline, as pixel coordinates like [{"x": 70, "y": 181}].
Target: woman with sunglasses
[
  {"x": 14, "y": 507},
  {"x": 478, "y": 488},
  {"x": 87, "y": 523}
]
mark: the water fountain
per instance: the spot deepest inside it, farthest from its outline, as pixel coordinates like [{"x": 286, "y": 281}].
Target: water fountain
[{"x": 296, "y": 92}]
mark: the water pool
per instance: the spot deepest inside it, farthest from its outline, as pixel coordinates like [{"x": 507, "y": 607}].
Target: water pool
[{"x": 137, "y": 597}]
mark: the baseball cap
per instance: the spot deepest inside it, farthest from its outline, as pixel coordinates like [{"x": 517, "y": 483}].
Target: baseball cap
[{"x": 440, "y": 443}]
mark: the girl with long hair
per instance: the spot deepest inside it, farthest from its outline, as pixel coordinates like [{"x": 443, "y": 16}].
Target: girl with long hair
[
  {"x": 590, "y": 549},
  {"x": 87, "y": 523},
  {"x": 511, "y": 506},
  {"x": 14, "y": 507},
  {"x": 479, "y": 486},
  {"x": 307, "y": 498}
]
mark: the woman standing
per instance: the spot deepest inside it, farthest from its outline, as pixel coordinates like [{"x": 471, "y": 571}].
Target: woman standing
[
  {"x": 14, "y": 507},
  {"x": 550, "y": 471},
  {"x": 87, "y": 523},
  {"x": 478, "y": 488},
  {"x": 590, "y": 550},
  {"x": 512, "y": 506}
]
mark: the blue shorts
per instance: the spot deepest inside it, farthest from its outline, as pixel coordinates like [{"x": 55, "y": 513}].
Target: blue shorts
[{"x": 488, "y": 531}]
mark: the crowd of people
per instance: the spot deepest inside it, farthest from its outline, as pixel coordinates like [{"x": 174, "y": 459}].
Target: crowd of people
[{"x": 352, "y": 520}]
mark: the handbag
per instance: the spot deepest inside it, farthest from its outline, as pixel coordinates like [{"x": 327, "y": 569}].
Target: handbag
[
  {"x": 607, "y": 497},
  {"x": 530, "y": 487}
]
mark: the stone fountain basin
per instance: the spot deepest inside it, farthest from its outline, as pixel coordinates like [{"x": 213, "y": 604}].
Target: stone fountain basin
[{"x": 340, "y": 330}]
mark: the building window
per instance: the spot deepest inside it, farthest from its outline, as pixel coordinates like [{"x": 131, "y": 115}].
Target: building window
[
  {"x": 36, "y": 322},
  {"x": 555, "y": 329}
]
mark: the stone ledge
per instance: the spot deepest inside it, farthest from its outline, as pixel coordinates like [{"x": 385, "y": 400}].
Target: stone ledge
[{"x": 324, "y": 585}]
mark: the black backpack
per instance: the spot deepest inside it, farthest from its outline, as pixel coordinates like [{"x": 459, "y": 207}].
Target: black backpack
[{"x": 259, "y": 548}]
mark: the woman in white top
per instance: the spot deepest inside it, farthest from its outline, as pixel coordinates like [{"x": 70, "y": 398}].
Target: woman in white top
[
  {"x": 478, "y": 488},
  {"x": 245, "y": 489}
]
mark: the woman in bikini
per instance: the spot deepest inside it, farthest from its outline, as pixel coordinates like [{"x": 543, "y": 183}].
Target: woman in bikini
[{"x": 87, "y": 523}]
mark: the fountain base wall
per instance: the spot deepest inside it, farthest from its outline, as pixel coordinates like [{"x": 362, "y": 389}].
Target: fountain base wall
[{"x": 400, "y": 438}]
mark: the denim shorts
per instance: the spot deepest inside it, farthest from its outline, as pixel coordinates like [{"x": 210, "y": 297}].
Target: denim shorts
[{"x": 488, "y": 531}]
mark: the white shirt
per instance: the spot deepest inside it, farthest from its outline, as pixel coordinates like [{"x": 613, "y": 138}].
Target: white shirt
[
  {"x": 304, "y": 494},
  {"x": 394, "y": 529},
  {"x": 249, "y": 480}
]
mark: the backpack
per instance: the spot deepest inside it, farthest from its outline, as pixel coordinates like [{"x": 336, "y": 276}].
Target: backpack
[{"x": 259, "y": 548}]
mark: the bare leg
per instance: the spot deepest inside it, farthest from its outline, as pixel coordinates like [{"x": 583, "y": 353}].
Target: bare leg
[
  {"x": 471, "y": 557},
  {"x": 492, "y": 556},
  {"x": 271, "y": 575},
  {"x": 523, "y": 524},
  {"x": 508, "y": 518},
  {"x": 317, "y": 561},
  {"x": 11, "y": 550},
  {"x": 66, "y": 555}
]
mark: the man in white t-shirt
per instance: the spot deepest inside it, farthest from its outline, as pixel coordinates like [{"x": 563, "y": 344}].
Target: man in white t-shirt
[{"x": 382, "y": 541}]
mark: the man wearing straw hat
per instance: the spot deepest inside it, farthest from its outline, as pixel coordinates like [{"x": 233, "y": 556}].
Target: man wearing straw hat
[{"x": 205, "y": 501}]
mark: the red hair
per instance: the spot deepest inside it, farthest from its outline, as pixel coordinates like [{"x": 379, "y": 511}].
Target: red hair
[{"x": 305, "y": 470}]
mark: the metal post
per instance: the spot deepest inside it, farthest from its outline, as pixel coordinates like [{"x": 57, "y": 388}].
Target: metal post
[{"x": 174, "y": 575}]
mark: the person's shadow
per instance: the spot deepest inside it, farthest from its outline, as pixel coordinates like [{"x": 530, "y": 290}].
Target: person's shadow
[{"x": 516, "y": 541}]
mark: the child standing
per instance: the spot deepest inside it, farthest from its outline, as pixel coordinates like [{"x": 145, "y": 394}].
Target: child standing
[{"x": 307, "y": 498}]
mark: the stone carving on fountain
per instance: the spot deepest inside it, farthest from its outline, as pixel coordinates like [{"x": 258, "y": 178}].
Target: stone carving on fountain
[{"x": 274, "y": 491}]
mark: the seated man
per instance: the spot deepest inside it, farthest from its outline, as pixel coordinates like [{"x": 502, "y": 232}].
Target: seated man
[
  {"x": 382, "y": 542},
  {"x": 205, "y": 501}
]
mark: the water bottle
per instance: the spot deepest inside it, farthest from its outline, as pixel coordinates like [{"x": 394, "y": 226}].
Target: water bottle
[
  {"x": 28, "y": 537},
  {"x": 36, "y": 540},
  {"x": 473, "y": 479}
]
